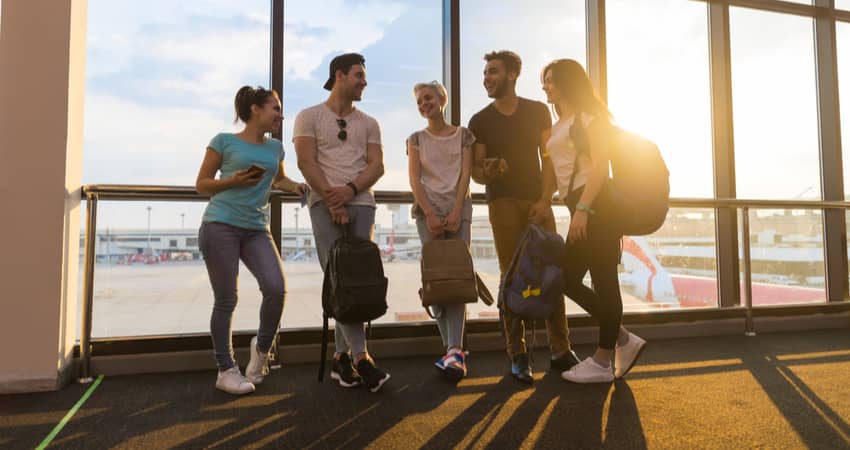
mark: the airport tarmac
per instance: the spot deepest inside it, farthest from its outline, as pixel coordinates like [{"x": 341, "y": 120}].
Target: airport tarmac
[{"x": 175, "y": 297}]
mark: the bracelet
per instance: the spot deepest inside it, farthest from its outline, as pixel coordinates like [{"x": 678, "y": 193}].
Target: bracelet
[
  {"x": 353, "y": 187},
  {"x": 586, "y": 208}
]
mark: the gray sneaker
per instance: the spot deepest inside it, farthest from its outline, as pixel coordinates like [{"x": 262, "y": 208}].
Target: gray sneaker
[
  {"x": 258, "y": 366},
  {"x": 232, "y": 382}
]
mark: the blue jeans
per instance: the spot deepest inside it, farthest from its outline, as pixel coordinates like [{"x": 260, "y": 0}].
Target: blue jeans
[
  {"x": 348, "y": 337},
  {"x": 450, "y": 318},
  {"x": 223, "y": 246}
]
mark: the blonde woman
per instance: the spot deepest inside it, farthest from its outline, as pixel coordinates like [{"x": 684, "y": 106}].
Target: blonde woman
[{"x": 439, "y": 163}]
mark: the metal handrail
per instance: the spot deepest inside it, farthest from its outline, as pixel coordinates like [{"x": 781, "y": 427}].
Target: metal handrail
[
  {"x": 116, "y": 192},
  {"x": 165, "y": 193}
]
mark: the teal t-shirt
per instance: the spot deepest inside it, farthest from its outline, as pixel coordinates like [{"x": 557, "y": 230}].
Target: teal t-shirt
[{"x": 247, "y": 206}]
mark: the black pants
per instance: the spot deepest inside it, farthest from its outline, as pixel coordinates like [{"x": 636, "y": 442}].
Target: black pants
[{"x": 599, "y": 254}]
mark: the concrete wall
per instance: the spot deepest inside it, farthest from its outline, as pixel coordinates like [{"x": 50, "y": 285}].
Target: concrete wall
[{"x": 42, "y": 77}]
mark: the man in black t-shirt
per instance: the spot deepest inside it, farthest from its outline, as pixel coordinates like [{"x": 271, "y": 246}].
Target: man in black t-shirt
[{"x": 511, "y": 134}]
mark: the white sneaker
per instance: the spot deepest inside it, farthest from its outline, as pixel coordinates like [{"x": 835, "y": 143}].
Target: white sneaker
[
  {"x": 588, "y": 371},
  {"x": 625, "y": 356},
  {"x": 232, "y": 382},
  {"x": 258, "y": 366}
]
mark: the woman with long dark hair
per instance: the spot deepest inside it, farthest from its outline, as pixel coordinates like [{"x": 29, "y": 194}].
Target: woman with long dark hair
[
  {"x": 579, "y": 151},
  {"x": 236, "y": 227}
]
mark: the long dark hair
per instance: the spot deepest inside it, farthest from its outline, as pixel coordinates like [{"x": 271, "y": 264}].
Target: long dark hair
[
  {"x": 247, "y": 96},
  {"x": 574, "y": 84}
]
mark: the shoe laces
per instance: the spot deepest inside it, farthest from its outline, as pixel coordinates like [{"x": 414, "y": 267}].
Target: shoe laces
[{"x": 454, "y": 358}]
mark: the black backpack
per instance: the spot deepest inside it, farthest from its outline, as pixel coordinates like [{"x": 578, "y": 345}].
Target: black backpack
[
  {"x": 354, "y": 288},
  {"x": 640, "y": 181}
]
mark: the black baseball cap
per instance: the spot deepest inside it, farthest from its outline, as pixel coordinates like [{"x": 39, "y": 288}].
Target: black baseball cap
[{"x": 343, "y": 62}]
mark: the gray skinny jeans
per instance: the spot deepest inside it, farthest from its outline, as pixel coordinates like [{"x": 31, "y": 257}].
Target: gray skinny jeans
[
  {"x": 348, "y": 337},
  {"x": 223, "y": 246},
  {"x": 450, "y": 318}
]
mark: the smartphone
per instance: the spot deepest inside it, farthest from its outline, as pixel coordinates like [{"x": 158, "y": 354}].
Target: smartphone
[{"x": 256, "y": 169}]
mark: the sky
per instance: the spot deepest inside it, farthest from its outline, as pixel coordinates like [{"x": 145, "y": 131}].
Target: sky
[{"x": 161, "y": 76}]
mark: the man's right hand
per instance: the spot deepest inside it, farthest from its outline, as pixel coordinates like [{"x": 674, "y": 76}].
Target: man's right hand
[{"x": 338, "y": 196}]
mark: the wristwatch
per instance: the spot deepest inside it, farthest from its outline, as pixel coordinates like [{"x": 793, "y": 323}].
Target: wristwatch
[{"x": 586, "y": 208}]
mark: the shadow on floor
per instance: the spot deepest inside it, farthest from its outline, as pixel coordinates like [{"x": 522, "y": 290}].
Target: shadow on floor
[{"x": 772, "y": 390}]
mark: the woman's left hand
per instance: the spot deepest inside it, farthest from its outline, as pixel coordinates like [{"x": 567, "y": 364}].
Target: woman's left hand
[{"x": 578, "y": 227}]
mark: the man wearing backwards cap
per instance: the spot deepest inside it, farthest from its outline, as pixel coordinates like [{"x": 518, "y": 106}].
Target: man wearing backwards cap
[{"x": 340, "y": 154}]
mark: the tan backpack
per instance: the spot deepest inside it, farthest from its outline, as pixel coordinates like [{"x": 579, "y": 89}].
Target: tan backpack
[{"x": 448, "y": 276}]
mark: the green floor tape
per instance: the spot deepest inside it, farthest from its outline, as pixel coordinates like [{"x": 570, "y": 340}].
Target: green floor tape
[{"x": 70, "y": 414}]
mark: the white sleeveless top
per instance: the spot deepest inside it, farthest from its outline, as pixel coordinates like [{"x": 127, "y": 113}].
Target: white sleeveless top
[{"x": 562, "y": 151}]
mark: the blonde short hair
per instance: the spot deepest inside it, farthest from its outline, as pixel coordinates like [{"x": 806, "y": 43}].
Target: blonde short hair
[{"x": 436, "y": 86}]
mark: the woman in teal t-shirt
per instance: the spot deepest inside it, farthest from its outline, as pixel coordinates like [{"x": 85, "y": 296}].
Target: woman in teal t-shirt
[{"x": 236, "y": 226}]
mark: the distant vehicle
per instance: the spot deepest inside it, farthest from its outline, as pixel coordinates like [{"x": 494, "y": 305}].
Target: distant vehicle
[
  {"x": 390, "y": 252},
  {"x": 299, "y": 256}
]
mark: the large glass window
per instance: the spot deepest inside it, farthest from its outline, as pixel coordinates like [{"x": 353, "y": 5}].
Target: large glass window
[
  {"x": 539, "y": 31},
  {"x": 843, "y": 46},
  {"x": 160, "y": 82},
  {"x": 775, "y": 106},
  {"x": 402, "y": 44},
  {"x": 787, "y": 259},
  {"x": 658, "y": 84},
  {"x": 161, "y": 77}
]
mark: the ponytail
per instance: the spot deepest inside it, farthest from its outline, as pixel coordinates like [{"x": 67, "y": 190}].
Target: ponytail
[{"x": 248, "y": 96}]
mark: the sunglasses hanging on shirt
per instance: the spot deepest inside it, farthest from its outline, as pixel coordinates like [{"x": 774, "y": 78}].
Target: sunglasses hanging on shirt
[{"x": 342, "y": 135}]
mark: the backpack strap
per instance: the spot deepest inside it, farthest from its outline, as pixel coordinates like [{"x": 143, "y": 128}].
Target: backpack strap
[
  {"x": 579, "y": 137},
  {"x": 512, "y": 267},
  {"x": 324, "y": 347},
  {"x": 483, "y": 292}
]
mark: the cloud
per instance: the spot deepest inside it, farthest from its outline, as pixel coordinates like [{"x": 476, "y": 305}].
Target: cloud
[
  {"x": 145, "y": 144},
  {"x": 318, "y": 29}
]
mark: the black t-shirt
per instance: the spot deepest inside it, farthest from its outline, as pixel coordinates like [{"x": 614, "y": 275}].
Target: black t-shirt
[{"x": 516, "y": 138}]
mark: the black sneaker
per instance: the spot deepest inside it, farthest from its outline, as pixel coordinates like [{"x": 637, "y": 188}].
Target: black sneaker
[
  {"x": 343, "y": 371},
  {"x": 373, "y": 376},
  {"x": 521, "y": 369},
  {"x": 565, "y": 362}
]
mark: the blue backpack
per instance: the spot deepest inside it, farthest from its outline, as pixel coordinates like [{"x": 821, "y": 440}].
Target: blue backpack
[{"x": 533, "y": 284}]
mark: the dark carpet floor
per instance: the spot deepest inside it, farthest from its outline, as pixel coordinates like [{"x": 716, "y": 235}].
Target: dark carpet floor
[{"x": 788, "y": 390}]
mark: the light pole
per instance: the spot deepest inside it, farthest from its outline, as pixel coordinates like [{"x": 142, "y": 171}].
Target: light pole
[
  {"x": 297, "y": 247},
  {"x": 149, "y": 230},
  {"x": 108, "y": 251},
  {"x": 182, "y": 220}
]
